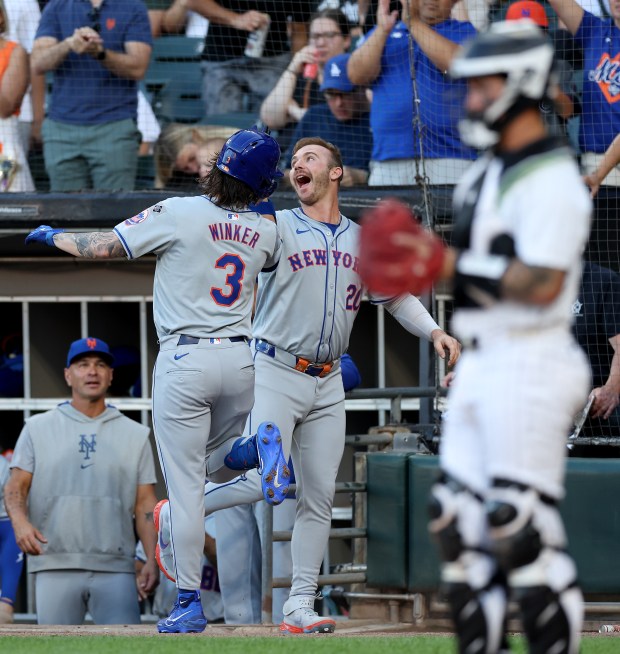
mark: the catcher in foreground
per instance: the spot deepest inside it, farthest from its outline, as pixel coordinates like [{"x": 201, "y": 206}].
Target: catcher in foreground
[{"x": 521, "y": 221}]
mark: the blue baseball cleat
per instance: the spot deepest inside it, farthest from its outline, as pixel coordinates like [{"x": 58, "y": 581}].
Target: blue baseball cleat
[
  {"x": 274, "y": 471},
  {"x": 186, "y": 616},
  {"x": 243, "y": 455}
]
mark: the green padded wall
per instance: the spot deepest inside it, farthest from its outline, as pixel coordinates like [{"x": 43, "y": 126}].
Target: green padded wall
[
  {"x": 423, "y": 560},
  {"x": 591, "y": 512},
  {"x": 386, "y": 478},
  {"x": 401, "y": 554}
]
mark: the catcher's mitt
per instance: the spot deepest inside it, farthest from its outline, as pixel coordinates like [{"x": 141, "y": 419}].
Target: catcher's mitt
[{"x": 397, "y": 254}]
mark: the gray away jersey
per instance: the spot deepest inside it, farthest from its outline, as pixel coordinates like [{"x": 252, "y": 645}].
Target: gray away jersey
[
  {"x": 208, "y": 259},
  {"x": 318, "y": 270}
]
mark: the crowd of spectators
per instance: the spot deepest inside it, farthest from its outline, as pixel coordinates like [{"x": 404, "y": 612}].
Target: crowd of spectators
[{"x": 264, "y": 62}]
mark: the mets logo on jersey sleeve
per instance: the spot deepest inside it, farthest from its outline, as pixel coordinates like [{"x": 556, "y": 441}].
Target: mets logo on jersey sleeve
[
  {"x": 232, "y": 216},
  {"x": 136, "y": 220}
]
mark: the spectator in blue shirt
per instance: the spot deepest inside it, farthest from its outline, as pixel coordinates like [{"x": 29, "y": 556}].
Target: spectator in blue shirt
[
  {"x": 427, "y": 41},
  {"x": 599, "y": 38},
  {"x": 565, "y": 104},
  {"x": 98, "y": 51},
  {"x": 342, "y": 120}
]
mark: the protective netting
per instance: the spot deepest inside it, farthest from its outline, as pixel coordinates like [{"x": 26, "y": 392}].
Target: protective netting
[{"x": 357, "y": 73}]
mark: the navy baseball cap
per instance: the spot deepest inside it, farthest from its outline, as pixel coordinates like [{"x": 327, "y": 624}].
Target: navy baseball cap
[
  {"x": 89, "y": 345},
  {"x": 335, "y": 76}
]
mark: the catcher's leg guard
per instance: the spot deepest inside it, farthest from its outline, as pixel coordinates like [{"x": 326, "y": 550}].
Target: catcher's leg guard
[
  {"x": 476, "y": 594},
  {"x": 528, "y": 539},
  {"x": 479, "y": 617}
]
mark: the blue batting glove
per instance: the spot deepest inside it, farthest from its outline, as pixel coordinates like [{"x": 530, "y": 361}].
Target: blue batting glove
[{"x": 43, "y": 234}]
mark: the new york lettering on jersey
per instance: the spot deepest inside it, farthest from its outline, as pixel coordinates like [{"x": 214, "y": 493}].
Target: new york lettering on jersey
[
  {"x": 321, "y": 266},
  {"x": 317, "y": 257}
]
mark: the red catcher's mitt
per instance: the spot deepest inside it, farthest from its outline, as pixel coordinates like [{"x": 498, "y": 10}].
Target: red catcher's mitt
[{"x": 389, "y": 267}]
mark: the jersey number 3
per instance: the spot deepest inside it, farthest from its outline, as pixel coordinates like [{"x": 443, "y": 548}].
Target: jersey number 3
[{"x": 235, "y": 268}]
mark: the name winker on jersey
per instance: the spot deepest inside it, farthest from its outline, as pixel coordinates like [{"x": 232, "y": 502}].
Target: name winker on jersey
[{"x": 237, "y": 233}]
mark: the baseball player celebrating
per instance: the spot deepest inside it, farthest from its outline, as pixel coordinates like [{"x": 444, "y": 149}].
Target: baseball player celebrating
[
  {"x": 210, "y": 249},
  {"x": 305, "y": 310},
  {"x": 522, "y": 218}
]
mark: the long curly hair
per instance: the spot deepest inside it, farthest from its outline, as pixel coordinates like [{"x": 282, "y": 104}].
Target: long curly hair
[{"x": 226, "y": 191}]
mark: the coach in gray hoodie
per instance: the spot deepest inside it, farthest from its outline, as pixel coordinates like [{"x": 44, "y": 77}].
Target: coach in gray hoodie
[{"x": 80, "y": 473}]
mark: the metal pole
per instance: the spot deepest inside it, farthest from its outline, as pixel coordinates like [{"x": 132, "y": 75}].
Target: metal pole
[
  {"x": 381, "y": 355},
  {"x": 27, "y": 354},
  {"x": 426, "y": 370},
  {"x": 144, "y": 414},
  {"x": 267, "y": 585},
  {"x": 83, "y": 319},
  {"x": 359, "y": 509}
]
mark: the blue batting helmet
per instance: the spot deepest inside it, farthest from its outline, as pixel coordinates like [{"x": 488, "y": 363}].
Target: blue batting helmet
[{"x": 252, "y": 156}]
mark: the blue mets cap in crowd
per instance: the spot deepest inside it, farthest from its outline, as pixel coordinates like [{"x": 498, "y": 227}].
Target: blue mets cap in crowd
[
  {"x": 335, "y": 76},
  {"x": 89, "y": 345}
]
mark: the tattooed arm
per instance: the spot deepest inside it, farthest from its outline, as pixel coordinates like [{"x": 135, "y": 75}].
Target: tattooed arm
[{"x": 90, "y": 245}]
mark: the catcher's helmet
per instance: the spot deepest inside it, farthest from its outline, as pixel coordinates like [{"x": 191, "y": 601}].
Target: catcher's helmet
[
  {"x": 252, "y": 156},
  {"x": 520, "y": 51}
]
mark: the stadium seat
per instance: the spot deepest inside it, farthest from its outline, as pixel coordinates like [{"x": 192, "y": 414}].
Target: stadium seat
[
  {"x": 174, "y": 57},
  {"x": 179, "y": 100},
  {"x": 145, "y": 173},
  {"x": 177, "y": 48},
  {"x": 240, "y": 119}
]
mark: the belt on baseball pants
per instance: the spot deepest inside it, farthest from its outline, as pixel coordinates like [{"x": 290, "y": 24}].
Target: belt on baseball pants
[
  {"x": 184, "y": 339},
  {"x": 300, "y": 364}
]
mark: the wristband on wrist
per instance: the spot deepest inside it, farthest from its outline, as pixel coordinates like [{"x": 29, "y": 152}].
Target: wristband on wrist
[
  {"x": 101, "y": 55},
  {"x": 264, "y": 207}
]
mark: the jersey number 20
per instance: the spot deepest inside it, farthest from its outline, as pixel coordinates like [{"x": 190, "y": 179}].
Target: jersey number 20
[
  {"x": 235, "y": 266},
  {"x": 354, "y": 297}
]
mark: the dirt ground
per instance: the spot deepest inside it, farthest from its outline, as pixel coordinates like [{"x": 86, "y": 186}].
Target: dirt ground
[{"x": 346, "y": 628}]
